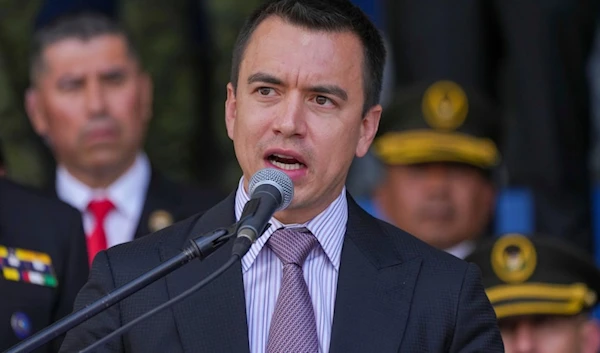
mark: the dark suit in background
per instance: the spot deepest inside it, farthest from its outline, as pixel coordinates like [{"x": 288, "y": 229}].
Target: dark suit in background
[
  {"x": 32, "y": 222},
  {"x": 179, "y": 200},
  {"x": 530, "y": 55},
  {"x": 395, "y": 294}
]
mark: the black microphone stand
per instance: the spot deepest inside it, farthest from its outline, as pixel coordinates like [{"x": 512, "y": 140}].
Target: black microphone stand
[{"x": 199, "y": 247}]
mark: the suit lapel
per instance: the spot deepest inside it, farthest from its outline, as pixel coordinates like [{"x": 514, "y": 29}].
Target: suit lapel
[
  {"x": 375, "y": 288},
  {"x": 155, "y": 198},
  {"x": 214, "y": 318}
]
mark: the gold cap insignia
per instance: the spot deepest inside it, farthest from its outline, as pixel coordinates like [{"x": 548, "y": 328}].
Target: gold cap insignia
[
  {"x": 514, "y": 258},
  {"x": 445, "y": 105},
  {"x": 159, "y": 219}
]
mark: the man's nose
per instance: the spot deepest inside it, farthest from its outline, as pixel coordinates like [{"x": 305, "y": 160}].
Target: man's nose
[
  {"x": 436, "y": 178},
  {"x": 95, "y": 100},
  {"x": 523, "y": 338},
  {"x": 290, "y": 119}
]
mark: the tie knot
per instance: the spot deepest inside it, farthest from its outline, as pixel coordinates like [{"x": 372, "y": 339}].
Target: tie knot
[
  {"x": 292, "y": 246},
  {"x": 100, "y": 208}
]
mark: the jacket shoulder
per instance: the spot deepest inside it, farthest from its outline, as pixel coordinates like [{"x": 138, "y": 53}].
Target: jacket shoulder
[{"x": 28, "y": 200}]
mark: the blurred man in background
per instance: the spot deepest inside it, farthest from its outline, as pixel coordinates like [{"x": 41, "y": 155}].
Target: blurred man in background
[
  {"x": 543, "y": 291},
  {"x": 91, "y": 101},
  {"x": 437, "y": 143},
  {"x": 43, "y": 262}
]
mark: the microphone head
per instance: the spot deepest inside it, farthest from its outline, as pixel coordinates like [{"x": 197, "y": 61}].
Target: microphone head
[{"x": 276, "y": 178}]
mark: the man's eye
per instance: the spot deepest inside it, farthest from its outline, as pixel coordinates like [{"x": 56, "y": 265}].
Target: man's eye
[
  {"x": 70, "y": 85},
  {"x": 115, "y": 79},
  {"x": 265, "y": 91},
  {"x": 320, "y": 100}
]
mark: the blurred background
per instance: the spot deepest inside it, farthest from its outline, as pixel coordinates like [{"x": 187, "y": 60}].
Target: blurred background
[
  {"x": 538, "y": 60},
  {"x": 186, "y": 47}
]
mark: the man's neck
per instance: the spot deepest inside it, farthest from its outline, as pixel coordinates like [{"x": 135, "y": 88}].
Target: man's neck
[{"x": 100, "y": 178}]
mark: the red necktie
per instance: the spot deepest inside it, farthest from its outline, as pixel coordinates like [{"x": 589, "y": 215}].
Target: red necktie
[{"x": 96, "y": 241}]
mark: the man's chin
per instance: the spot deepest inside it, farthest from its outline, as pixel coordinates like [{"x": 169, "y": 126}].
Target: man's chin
[
  {"x": 104, "y": 163},
  {"x": 439, "y": 238}
]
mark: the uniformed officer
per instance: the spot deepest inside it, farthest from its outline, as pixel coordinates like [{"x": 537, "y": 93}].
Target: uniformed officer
[
  {"x": 43, "y": 262},
  {"x": 437, "y": 142},
  {"x": 543, "y": 291}
]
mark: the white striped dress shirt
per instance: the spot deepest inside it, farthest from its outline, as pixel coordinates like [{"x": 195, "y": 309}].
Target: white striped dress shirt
[{"x": 262, "y": 271}]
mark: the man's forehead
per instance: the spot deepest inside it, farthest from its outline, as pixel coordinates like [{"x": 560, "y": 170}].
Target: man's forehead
[
  {"x": 68, "y": 48},
  {"x": 77, "y": 55}
]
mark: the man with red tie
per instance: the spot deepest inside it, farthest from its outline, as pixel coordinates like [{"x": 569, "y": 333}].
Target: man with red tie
[{"x": 91, "y": 101}]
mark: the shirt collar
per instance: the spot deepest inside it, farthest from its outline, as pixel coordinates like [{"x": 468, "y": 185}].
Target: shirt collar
[
  {"x": 328, "y": 227},
  {"x": 126, "y": 193},
  {"x": 462, "y": 249}
]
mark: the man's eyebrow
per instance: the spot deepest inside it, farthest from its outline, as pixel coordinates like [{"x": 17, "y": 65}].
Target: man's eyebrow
[
  {"x": 263, "y": 77},
  {"x": 113, "y": 72},
  {"x": 330, "y": 89},
  {"x": 325, "y": 89}
]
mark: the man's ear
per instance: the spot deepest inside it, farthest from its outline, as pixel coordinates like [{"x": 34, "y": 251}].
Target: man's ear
[
  {"x": 146, "y": 96},
  {"x": 368, "y": 130},
  {"x": 382, "y": 197},
  {"x": 35, "y": 112},
  {"x": 230, "y": 110}
]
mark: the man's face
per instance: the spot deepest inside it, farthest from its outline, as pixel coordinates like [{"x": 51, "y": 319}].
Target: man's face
[
  {"x": 298, "y": 108},
  {"x": 550, "y": 334},
  {"x": 440, "y": 203},
  {"x": 92, "y": 103}
]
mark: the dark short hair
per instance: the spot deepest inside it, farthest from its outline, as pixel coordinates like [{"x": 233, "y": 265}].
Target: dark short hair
[
  {"x": 322, "y": 15},
  {"x": 81, "y": 25}
]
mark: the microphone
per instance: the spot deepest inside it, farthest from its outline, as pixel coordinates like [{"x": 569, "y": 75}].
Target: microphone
[{"x": 270, "y": 190}]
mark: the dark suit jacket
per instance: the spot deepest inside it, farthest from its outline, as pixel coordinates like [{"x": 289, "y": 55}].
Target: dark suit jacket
[
  {"x": 395, "y": 294},
  {"x": 33, "y": 222}
]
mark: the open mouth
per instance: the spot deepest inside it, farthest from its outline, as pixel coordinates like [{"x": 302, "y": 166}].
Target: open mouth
[{"x": 285, "y": 162}]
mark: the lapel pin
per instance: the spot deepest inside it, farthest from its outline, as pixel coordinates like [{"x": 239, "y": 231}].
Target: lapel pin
[{"x": 159, "y": 219}]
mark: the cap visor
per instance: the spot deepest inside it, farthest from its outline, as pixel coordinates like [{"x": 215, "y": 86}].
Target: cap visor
[
  {"x": 423, "y": 146},
  {"x": 540, "y": 299}
]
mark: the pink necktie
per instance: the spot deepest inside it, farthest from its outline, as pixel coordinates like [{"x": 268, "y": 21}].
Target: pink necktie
[{"x": 293, "y": 326}]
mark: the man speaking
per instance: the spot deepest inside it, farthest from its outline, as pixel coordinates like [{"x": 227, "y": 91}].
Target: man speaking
[{"x": 325, "y": 276}]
